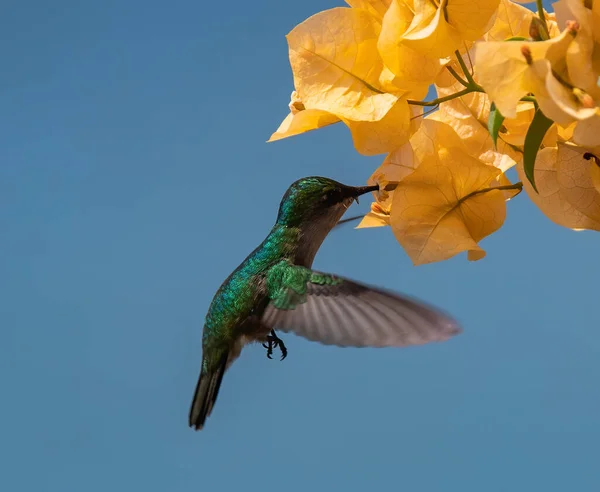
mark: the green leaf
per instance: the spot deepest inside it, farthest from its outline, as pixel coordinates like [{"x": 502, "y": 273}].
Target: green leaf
[
  {"x": 535, "y": 134},
  {"x": 494, "y": 123},
  {"x": 516, "y": 38}
]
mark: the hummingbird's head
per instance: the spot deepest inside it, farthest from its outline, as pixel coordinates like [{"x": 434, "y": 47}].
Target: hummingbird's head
[{"x": 314, "y": 198}]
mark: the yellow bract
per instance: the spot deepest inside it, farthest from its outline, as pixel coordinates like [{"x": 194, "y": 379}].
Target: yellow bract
[
  {"x": 507, "y": 75},
  {"x": 339, "y": 76},
  {"x": 413, "y": 69},
  {"x": 441, "y": 209},
  {"x": 515, "y": 129},
  {"x": 302, "y": 120},
  {"x": 438, "y": 32},
  {"x": 336, "y": 65},
  {"x": 377, "y": 217},
  {"x": 375, "y": 7},
  {"x": 595, "y": 173},
  {"x": 511, "y": 20},
  {"x": 566, "y": 192},
  {"x": 587, "y": 132},
  {"x": 385, "y": 135},
  {"x": 468, "y": 116},
  {"x": 442, "y": 184}
]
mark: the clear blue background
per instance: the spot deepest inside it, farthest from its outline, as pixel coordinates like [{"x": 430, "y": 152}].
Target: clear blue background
[{"x": 134, "y": 176}]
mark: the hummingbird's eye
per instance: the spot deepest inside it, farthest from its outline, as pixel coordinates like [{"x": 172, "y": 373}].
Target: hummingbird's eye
[{"x": 331, "y": 196}]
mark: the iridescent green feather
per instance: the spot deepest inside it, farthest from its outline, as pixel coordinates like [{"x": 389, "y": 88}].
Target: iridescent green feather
[{"x": 286, "y": 283}]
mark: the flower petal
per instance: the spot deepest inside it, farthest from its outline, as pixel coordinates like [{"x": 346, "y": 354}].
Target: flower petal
[{"x": 336, "y": 64}]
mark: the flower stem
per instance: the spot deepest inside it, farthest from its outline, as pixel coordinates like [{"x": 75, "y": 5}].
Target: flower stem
[
  {"x": 540, "y": 9},
  {"x": 515, "y": 186},
  {"x": 470, "y": 85},
  {"x": 456, "y": 76},
  {"x": 465, "y": 69},
  {"x": 439, "y": 100}
]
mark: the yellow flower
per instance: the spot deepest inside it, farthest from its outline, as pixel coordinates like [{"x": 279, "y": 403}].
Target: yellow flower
[
  {"x": 301, "y": 120},
  {"x": 468, "y": 116},
  {"x": 413, "y": 70},
  {"x": 512, "y": 20},
  {"x": 439, "y": 31},
  {"x": 337, "y": 70},
  {"x": 336, "y": 65},
  {"x": 524, "y": 68},
  {"x": 565, "y": 183},
  {"x": 385, "y": 135},
  {"x": 377, "y": 217},
  {"x": 594, "y": 158},
  {"x": 445, "y": 206},
  {"x": 377, "y": 8}
]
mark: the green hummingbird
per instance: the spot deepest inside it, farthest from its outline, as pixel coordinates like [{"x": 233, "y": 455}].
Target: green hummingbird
[{"x": 275, "y": 288}]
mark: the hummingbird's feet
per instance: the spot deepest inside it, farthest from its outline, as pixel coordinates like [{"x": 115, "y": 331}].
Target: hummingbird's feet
[{"x": 273, "y": 341}]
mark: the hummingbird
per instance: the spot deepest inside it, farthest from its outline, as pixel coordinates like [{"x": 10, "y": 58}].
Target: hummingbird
[{"x": 275, "y": 287}]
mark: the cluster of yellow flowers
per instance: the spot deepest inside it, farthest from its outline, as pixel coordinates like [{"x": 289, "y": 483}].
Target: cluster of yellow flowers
[{"x": 513, "y": 89}]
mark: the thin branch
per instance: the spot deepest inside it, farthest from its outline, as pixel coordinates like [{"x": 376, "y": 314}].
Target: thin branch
[
  {"x": 440, "y": 100},
  {"x": 456, "y": 76},
  {"x": 425, "y": 113},
  {"x": 516, "y": 186},
  {"x": 472, "y": 71},
  {"x": 465, "y": 69}
]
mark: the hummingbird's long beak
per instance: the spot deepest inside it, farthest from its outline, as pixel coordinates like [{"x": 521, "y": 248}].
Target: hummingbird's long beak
[{"x": 356, "y": 191}]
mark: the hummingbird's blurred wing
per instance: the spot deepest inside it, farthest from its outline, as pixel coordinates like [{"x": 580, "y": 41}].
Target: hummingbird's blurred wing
[{"x": 337, "y": 311}]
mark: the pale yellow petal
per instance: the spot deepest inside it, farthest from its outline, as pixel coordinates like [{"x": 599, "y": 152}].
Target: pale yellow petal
[
  {"x": 395, "y": 167},
  {"x": 336, "y": 64},
  {"x": 512, "y": 20},
  {"x": 587, "y": 132},
  {"x": 398, "y": 164},
  {"x": 595, "y": 173},
  {"x": 375, "y": 7},
  {"x": 373, "y": 220},
  {"x": 385, "y": 135},
  {"x": 574, "y": 177},
  {"x": 471, "y": 19},
  {"x": 596, "y": 21},
  {"x": 468, "y": 117},
  {"x": 518, "y": 77},
  {"x": 433, "y": 214},
  {"x": 572, "y": 10},
  {"x": 303, "y": 121},
  {"x": 454, "y": 22},
  {"x": 567, "y": 195},
  {"x": 377, "y": 217},
  {"x": 434, "y": 36},
  {"x": 515, "y": 129},
  {"x": 565, "y": 133},
  {"x": 412, "y": 69}
]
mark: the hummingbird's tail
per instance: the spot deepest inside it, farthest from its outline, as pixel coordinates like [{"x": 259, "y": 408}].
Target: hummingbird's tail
[{"x": 206, "y": 393}]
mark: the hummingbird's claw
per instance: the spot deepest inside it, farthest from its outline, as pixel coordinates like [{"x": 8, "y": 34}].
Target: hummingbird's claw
[
  {"x": 283, "y": 351},
  {"x": 273, "y": 341}
]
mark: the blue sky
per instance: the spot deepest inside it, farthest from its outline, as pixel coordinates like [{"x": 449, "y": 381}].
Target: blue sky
[{"x": 135, "y": 176}]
